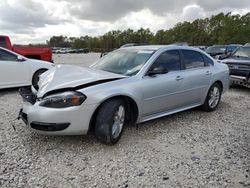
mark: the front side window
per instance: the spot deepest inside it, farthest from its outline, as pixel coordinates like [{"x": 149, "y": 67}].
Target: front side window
[
  {"x": 170, "y": 60},
  {"x": 127, "y": 62},
  {"x": 192, "y": 59},
  {"x": 7, "y": 56}
]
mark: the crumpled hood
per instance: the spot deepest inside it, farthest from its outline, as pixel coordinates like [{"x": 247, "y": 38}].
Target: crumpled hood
[{"x": 69, "y": 76}]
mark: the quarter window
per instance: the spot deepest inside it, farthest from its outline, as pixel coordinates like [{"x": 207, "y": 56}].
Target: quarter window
[
  {"x": 169, "y": 60},
  {"x": 6, "y": 56},
  {"x": 208, "y": 60},
  {"x": 192, "y": 59}
]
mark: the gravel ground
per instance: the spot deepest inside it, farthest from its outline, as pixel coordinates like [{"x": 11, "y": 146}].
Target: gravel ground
[{"x": 188, "y": 149}]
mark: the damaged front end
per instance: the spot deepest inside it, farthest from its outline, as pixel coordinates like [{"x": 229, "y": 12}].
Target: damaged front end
[{"x": 27, "y": 94}]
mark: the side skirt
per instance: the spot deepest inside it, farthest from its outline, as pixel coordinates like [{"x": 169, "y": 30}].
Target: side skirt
[{"x": 162, "y": 114}]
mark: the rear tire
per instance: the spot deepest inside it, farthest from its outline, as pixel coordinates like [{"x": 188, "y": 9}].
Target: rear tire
[
  {"x": 213, "y": 98},
  {"x": 35, "y": 78},
  {"x": 110, "y": 121}
]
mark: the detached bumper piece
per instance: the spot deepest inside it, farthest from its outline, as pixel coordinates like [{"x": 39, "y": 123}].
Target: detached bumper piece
[
  {"x": 27, "y": 95},
  {"x": 49, "y": 126},
  {"x": 23, "y": 116}
]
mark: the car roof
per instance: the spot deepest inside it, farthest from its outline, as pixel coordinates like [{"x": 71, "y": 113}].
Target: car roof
[
  {"x": 234, "y": 45},
  {"x": 157, "y": 47}
]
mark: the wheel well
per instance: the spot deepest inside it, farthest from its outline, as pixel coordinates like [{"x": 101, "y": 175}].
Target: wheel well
[
  {"x": 220, "y": 83},
  {"x": 38, "y": 71},
  {"x": 131, "y": 108},
  {"x": 35, "y": 74}
]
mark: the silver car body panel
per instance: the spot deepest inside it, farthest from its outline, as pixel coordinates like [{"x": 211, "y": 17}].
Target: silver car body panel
[
  {"x": 68, "y": 76},
  {"x": 155, "y": 96}
]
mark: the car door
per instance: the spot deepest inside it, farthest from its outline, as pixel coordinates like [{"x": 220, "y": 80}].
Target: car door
[
  {"x": 161, "y": 92},
  {"x": 197, "y": 76},
  {"x": 13, "y": 72}
]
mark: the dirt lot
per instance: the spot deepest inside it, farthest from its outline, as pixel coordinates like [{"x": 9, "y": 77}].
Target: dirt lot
[
  {"x": 188, "y": 149},
  {"x": 76, "y": 59}
]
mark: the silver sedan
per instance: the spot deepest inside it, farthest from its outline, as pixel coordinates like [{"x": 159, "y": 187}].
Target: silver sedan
[{"x": 127, "y": 86}]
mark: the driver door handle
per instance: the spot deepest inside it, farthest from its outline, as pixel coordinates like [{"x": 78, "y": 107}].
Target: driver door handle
[{"x": 179, "y": 78}]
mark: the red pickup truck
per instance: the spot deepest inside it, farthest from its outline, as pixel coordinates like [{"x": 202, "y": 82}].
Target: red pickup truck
[{"x": 44, "y": 54}]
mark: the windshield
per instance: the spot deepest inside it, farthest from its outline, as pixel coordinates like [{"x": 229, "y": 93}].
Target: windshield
[
  {"x": 216, "y": 49},
  {"x": 2, "y": 42},
  {"x": 232, "y": 48},
  {"x": 242, "y": 52},
  {"x": 127, "y": 62}
]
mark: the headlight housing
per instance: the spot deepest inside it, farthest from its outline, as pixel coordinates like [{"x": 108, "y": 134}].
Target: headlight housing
[{"x": 63, "y": 100}]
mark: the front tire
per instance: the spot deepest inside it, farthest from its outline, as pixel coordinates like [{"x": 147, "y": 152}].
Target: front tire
[
  {"x": 110, "y": 121},
  {"x": 35, "y": 78},
  {"x": 213, "y": 98}
]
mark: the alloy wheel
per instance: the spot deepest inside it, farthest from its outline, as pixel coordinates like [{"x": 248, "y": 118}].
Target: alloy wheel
[
  {"x": 119, "y": 119},
  {"x": 214, "y": 97}
]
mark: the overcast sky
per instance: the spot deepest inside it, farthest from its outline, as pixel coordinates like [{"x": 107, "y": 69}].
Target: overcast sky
[{"x": 35, "y": 21}]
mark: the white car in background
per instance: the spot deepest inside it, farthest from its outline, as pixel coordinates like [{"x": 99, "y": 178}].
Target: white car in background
[{"x": 17, "y": 70}]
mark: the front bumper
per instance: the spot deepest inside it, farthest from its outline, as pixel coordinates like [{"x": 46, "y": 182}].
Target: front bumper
[
  {"x": 43, "y": 126},
  {"x": 54, "y": 121},
  {"x": 240, "y": 80}
]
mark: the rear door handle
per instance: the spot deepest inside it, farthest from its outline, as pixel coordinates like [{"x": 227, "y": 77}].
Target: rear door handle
[
  {"x": 208, "y": 72},
  {"x": 179, "y": 78}
]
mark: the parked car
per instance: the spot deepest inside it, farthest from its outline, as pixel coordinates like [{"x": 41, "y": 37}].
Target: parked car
[
  {"x": 128, "y": 85},
  {"x": 229, "y": 50},
  {"x": 55, "y": 50},
  {"x": 200, "y": 47},
  {"x": 72, "y": 51},
  {"x": 82, "y": 50},
  {"x": 216, "y": 50},
  {"x": 63, "y": 51},
  {"x": 133, "y": 44},
  {"x": 17, "y": 70},
  {"x": 29, "y": 52},
  {"x": 239, "y": 65}
]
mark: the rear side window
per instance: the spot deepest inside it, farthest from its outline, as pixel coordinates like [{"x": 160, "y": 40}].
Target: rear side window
[
  {"x": 208, "y": 61},
  {"x": 6, "y": 56},
  {"x": 169, "y": 60},
  {"x": 192, "y": 59}
]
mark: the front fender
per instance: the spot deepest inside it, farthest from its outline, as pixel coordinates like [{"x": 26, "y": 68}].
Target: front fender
[{"x": 99, "y": 94}]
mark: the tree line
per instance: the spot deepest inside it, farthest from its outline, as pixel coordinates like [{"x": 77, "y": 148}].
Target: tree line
[{"x": 218, "y": 29}]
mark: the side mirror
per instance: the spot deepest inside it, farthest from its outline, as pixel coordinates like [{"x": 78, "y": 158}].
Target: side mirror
[
  {"x": 20, "y": 58},
  {"x": 157, "y": 70}
]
